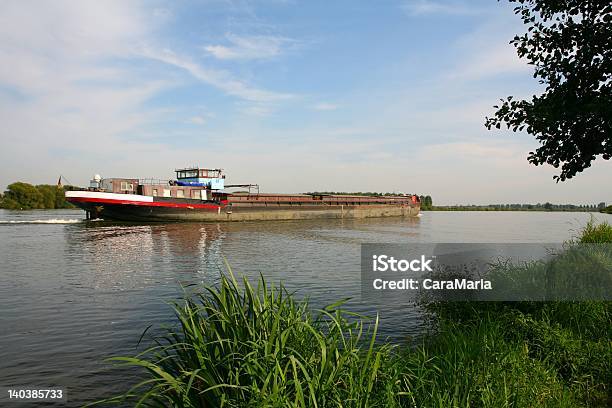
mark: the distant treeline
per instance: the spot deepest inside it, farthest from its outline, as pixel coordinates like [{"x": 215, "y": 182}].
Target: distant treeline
[
  {"x": 24, "y": 196},
  {"x": 525, "y": 207},
  {"x": 426, "y": 201}
]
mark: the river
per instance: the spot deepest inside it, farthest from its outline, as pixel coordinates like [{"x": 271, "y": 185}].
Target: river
[{"x": 73, "y": 293}]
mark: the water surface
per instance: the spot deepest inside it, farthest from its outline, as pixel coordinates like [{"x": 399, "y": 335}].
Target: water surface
[{"x": 73, "y": 293}]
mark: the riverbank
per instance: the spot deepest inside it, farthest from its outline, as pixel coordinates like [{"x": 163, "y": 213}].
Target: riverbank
[{"x": 240, "y": 345}]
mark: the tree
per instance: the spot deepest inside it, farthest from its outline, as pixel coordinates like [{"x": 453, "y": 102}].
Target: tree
[
  {"x": 60, "y": 198},
  {"x": 22, "y": 196},
  {"x": 426, "y": 202},
  {"x": 48, "y": 193},
  {"x": 569, "y": 42}
]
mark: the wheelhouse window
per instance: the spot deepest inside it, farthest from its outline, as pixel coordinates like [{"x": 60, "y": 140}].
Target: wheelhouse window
[
  {"x": 126, "y": 186},
  {"x": 155, "y": 192},
  {"x": 167, "y": 192},
  {"x": 196, "y": 194},
  {"x": 180, "y": 194},
  {"x": 209, "y": 173},
  {"x": 186, "y": 174},
  {"x": 198, "y": 173}
]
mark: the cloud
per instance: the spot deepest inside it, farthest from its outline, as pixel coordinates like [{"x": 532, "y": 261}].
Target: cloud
[
  {"x": 257, "y": 110},
  {"x": 63, "y": 95},
  {"x": 76, "y": 81},
  {"x": 486, "y": 52},
  {"x": 489, "y": 150},
  {"x": 490, "y": 62},
  {"x": 61, "y": 57},
  {"x": 424, "y": 7},
  {"x": 220, "y": 79},
  {"x": 197, "y": 120},
  {"x": 325, "y": 106},
  {"x": 249, "y": 47},
  {"x": 61, "y": 42}
]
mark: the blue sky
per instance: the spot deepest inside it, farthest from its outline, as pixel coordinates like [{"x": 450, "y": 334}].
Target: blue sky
[{"x": 295, "y": 96}]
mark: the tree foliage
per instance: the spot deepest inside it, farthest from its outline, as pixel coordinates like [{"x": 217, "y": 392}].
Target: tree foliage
[
  {"x": 569, "y": 42},
  {"x": 426, "y": 202},
  {"x": 24, "y": 196}
]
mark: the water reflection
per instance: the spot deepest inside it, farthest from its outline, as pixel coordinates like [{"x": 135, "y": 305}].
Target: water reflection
[
  {"x": 314, "y": 259},
  {"x": 128, "y": 256},
  {"x": 125, "y": 257}
]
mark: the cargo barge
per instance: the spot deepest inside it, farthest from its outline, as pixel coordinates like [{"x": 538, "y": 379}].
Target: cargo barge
[{"x": 199, "y": 194}]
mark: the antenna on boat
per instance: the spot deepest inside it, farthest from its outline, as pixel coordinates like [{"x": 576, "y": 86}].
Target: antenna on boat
[{"x": 59, "y": 181}]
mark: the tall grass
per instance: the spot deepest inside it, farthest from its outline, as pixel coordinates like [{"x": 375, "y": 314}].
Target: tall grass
[
  {"x": 236, "y": 345},
  {"x": 570, "y": 340},
  {"x": 257, "y": 346},
  {"x": 594, "y": 233}
]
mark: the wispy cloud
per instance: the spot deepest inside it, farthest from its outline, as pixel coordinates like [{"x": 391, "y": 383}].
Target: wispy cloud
[
  {"x": 489, "y": 62},
  {"x": 453, "y": 7},
  {"x": 218, "y": 78},
  {"x": 485, "y": 52},
  {"x": 76, "y": 84},
  {"x": 249, "y": 47},
  {"x": 75, "y": 100},
  {"x": 325, "y": 106},
  {"x": 197, "y": 120},
  {"x": 260, "y": 110}
]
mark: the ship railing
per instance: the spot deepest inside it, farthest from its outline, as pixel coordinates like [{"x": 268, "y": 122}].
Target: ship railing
[
  {"x": 252, "y": 188},
  {"x": 152, "y": 181}
]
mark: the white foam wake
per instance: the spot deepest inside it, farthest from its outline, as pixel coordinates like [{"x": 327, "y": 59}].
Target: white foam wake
[{"x": 49, "y": 221}]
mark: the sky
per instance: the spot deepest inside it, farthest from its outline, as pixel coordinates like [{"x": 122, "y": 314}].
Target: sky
[{"x": 296, "y": 96}]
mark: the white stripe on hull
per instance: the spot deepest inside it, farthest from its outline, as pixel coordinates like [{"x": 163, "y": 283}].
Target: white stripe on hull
[{"x": 109, "y": 196}]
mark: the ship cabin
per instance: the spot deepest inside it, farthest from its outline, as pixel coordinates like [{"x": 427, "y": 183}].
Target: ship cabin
[
  {"x": 191, "y": 184},
  {"x": 212, "y": 179},
  {"x": 115, "y": 185}
]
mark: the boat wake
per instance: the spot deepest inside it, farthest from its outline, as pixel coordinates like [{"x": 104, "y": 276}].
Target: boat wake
[{"x": 49, "y": 221}]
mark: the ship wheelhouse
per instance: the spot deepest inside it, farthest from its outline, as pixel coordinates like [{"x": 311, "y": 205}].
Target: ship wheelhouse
[{"x": 212, "y": 179}]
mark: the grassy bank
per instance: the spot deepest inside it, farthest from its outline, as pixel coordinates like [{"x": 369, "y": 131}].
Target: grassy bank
[{"x": 239, "y": 345}]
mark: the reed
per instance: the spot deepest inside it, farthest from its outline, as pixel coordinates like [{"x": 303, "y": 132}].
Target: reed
[
  {"x": 594, "y": 233},
  {"x": 239, "y": 345}
]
